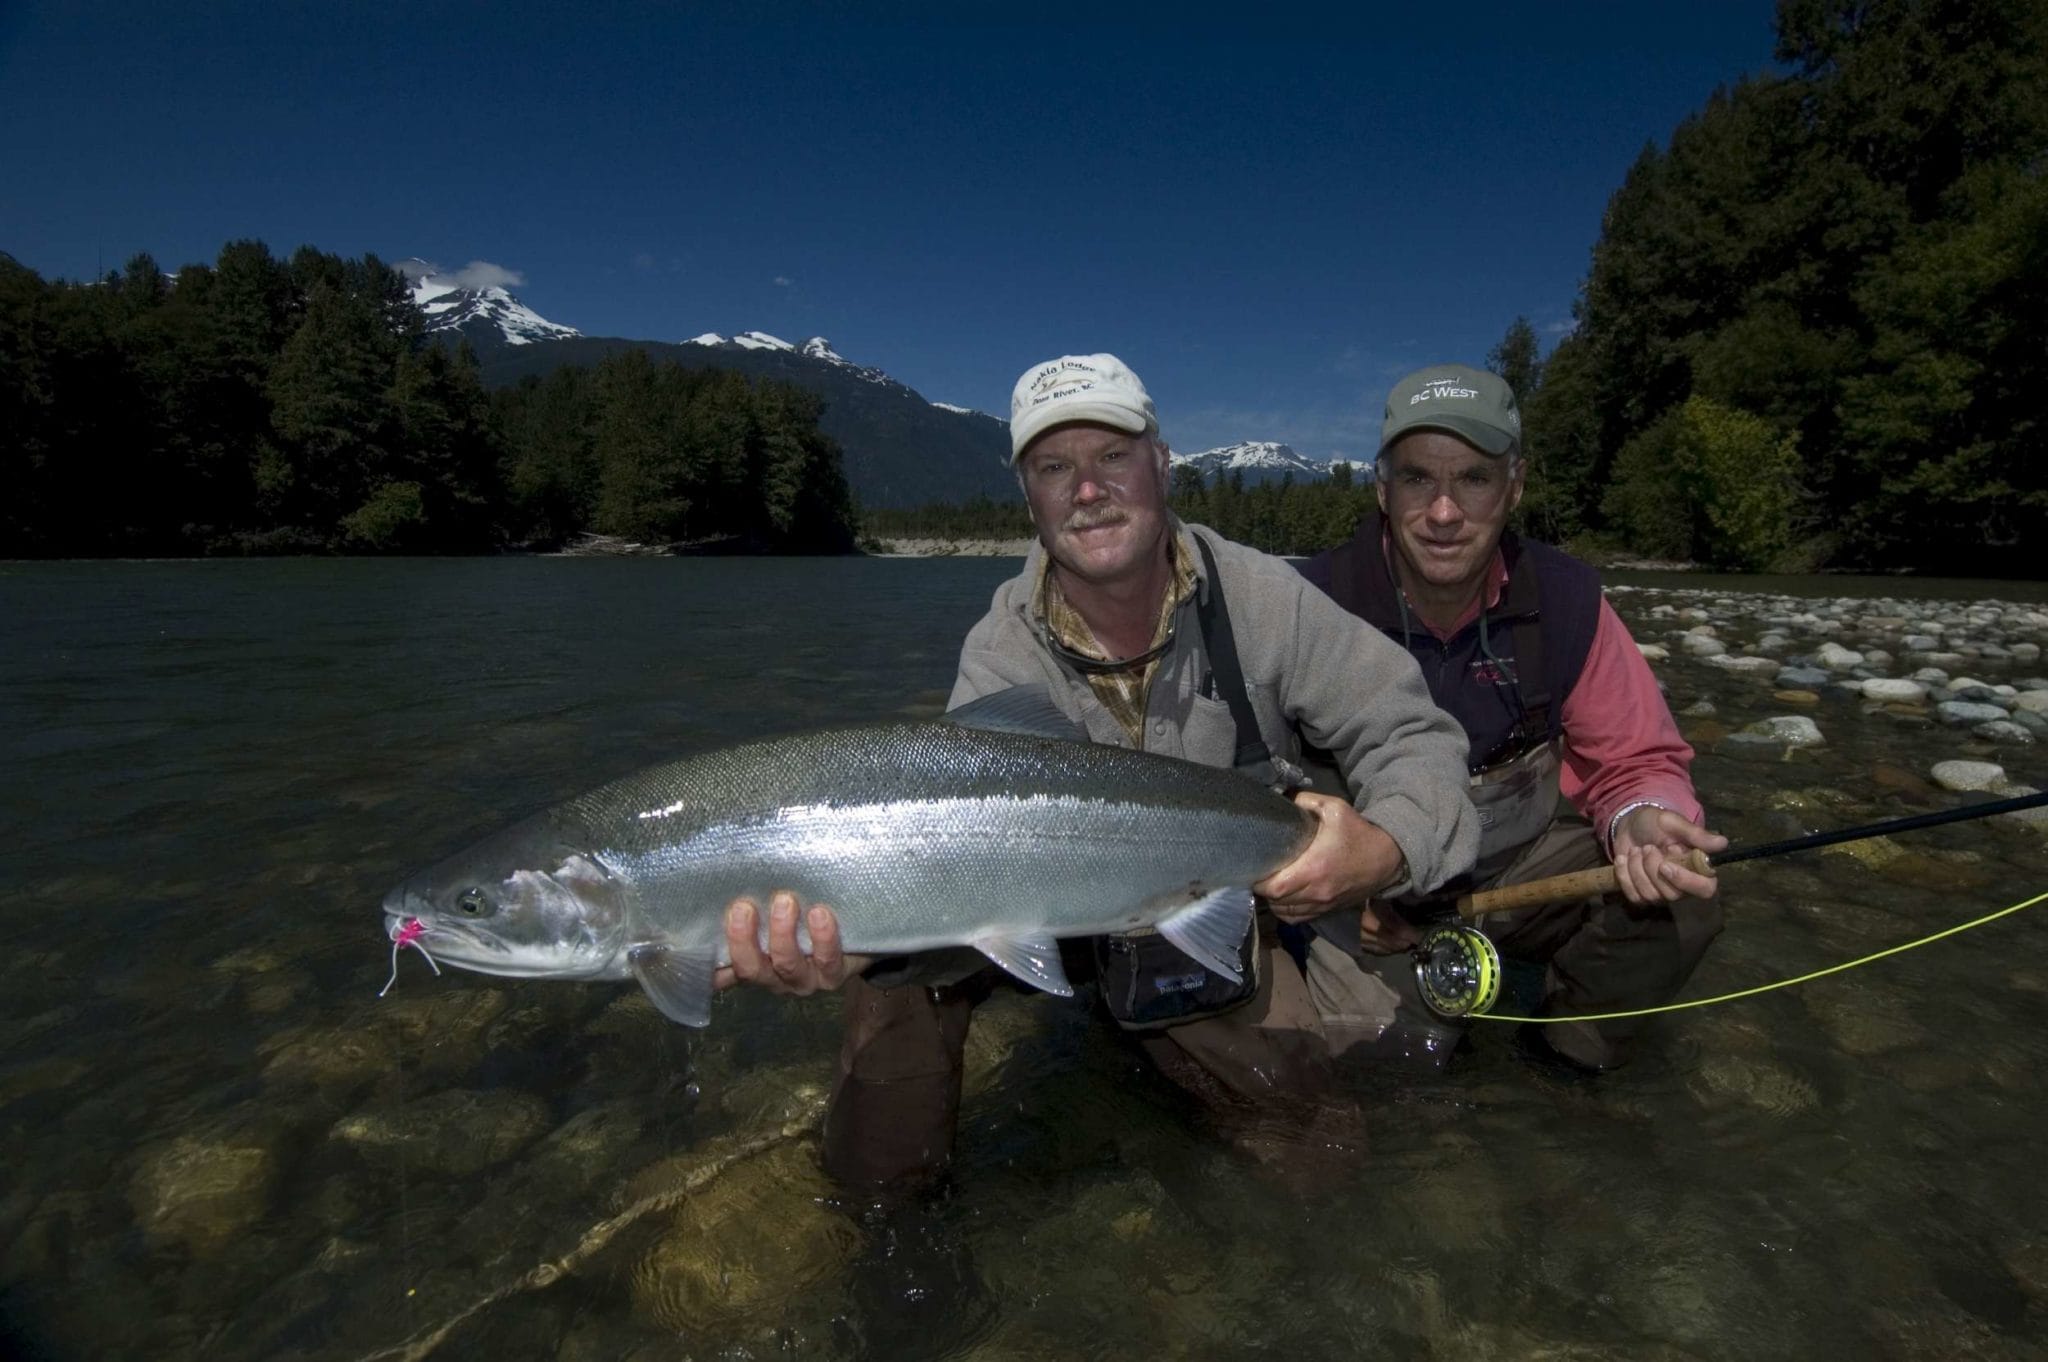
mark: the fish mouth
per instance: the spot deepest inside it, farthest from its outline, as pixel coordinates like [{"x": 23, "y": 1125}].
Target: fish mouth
[{"x": 405, "y": 924}]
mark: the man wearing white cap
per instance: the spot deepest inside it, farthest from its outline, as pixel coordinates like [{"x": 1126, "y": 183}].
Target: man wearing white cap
[{"x": 1156, "y": 635}]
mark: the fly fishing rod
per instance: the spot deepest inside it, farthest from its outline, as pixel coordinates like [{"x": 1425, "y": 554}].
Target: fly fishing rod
[{"x": 1458, "y": 970}]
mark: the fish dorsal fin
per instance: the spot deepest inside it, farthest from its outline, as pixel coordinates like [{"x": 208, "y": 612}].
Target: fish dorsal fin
[
  {"x": 1020, "y": 709},
  {"x": 1033, "y": 959},
  {"x": 1212, "y": 929},
  {"x": 678, "y": 982}
]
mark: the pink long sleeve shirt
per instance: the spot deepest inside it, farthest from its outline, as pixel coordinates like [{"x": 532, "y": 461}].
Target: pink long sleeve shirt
[{"x": 1621, "y": 746}]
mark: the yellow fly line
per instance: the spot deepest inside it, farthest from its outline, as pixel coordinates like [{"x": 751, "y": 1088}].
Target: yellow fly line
[{"x": 1781, "y": 983}]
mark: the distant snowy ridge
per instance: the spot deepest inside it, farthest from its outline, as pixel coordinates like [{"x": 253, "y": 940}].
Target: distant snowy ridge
[
  {"x": 969, "y": 411},
  {"x": 1263, "y": 461},
  {"x": 1266, "y": 457},
  {"x": 817, "y": 347},
  {"x": 449, "y": 306}
]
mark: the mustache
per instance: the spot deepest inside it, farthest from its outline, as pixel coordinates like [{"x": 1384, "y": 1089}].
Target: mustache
[{"x": 1095, "y": 521}]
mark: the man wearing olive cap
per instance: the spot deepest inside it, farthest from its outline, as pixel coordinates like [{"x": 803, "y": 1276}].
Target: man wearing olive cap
[
  {"x": 1574, "y": 757},
  {"x": 1152, "y": 634}
]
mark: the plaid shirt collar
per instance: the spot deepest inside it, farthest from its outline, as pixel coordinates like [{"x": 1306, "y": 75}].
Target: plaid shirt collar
[{"x": 1122, "y": 689}]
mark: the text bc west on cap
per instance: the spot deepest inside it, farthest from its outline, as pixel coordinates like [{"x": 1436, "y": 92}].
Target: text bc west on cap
[
  {"x": 1476, "y": 406},
  {"x": 1077, "y": 388}
]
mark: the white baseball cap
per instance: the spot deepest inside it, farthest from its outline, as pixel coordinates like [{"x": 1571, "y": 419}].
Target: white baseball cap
[{"x": 1077, "y": 388}]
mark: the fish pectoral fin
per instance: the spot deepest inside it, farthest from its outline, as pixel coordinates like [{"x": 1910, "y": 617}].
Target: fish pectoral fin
[
  {"x": 1212, "y": 928},
  {"x": 1029, "y": 710},
  {"x": 1033, "y": 959},
  {"x": 678, "y": 982}
]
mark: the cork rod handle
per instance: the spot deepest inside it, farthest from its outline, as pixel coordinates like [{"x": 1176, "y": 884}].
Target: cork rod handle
[{"x": 1580, "y": 884}]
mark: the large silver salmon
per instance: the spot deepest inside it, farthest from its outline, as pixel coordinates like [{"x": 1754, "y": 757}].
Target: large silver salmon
[{"x": 981, "y": 829}]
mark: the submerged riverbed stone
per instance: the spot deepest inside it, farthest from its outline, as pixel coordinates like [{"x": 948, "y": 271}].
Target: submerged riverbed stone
[
  {"x": 744, "y": 1244},
  {"x": 203, "y": 1191},
  {"x": 1860, "y": 1026},
  {"x": 2003, "y": 731},
  {"x": 328, "y": 1056},
  {"x": 1962, "y": 712},
  {"x": 1705, "y": 732},
  {"x": 1754, "y": 1082},
  {"x": 1968, "y": 775},
  {"x": 1793, "y": 730},
  {"x": 593, "y": 1137},
  {"x": 1888, "y": 777},
  {"x": 457, "y": 1132},
  {"x": 1894, "y": 689}
]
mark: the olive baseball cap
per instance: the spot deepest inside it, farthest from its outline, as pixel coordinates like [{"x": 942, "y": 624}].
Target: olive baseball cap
[
  {"x": 1476, "y": 406},
  {"x": 1077, "y": 388}
]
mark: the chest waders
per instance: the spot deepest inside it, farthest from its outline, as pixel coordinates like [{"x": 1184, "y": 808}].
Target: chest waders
[
  {"x": 1513, "y": 771},
  {"x": 1146, "y": 981}
]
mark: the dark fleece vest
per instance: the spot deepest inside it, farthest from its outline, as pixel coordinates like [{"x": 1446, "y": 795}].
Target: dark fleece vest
[{"x": 1538, "y": 636}]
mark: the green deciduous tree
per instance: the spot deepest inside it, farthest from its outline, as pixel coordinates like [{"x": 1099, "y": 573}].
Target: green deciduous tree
[{"x": 1710, "y": 483}]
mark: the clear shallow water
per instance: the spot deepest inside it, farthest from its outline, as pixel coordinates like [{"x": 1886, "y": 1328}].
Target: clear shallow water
[{"x": 223, "y": 1145}]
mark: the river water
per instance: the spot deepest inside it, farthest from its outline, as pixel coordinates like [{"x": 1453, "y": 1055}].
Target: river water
[{"x": 222, "y": 1144}]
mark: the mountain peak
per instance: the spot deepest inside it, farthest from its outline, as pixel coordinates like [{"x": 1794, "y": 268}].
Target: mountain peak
[
  {"x": 817, "y": 347},
  {"x": 1259, "y": 461},
  {"x": 475, "y": 302}
]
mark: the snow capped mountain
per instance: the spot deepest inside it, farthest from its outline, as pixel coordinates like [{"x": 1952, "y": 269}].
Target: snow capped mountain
[
  {"x": 467, "y": 301},
  {"x": 1264, "y": 461},
  {"x": 1258, "y": 460},
  {"x": 817, "y": 347}
]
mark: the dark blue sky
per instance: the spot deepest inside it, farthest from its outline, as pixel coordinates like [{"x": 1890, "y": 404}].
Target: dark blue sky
[{"x": 1269, "y": 215}]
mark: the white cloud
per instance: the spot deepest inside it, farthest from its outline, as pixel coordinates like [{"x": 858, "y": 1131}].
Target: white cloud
[
  {"x": 1563, "y": 327},
  {"x": 784, "y": 281},
  {"x": 483, "y": 274},
  {"x": 477, "y": 274}
]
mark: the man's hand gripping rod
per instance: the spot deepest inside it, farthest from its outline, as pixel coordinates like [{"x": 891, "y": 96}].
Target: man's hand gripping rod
[{"x": 1587, "y": 883}]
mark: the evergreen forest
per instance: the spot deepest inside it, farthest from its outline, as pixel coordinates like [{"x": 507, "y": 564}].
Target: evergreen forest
[
  {"x": 1282, "y": 516},
  {"x": 262, "y": 405},
  {"x": 1815, "y": 328}
]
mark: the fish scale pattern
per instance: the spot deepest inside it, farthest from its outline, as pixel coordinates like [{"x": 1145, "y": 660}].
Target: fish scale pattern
[{"x": 922, "y": 835}]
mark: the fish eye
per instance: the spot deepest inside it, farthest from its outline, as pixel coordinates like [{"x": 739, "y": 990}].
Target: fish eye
[{"x": 472, "y": 902}]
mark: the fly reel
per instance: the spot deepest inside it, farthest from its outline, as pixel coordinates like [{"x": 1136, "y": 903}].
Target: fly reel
[{"x": 1457, "y": 970}]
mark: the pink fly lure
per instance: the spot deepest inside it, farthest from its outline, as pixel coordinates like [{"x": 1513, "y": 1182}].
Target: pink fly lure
[{"x": 407, "y": 935}]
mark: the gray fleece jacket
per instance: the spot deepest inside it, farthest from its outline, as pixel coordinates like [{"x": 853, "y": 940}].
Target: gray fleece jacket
[{"x": 1313, "y": 670}]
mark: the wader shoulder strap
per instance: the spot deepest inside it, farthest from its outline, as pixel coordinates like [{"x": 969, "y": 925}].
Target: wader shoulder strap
[
  {"x": 1221, "y": 645},
  {"x": 1146, "y": 981},
  {"x": 1532, "y": 680}
]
